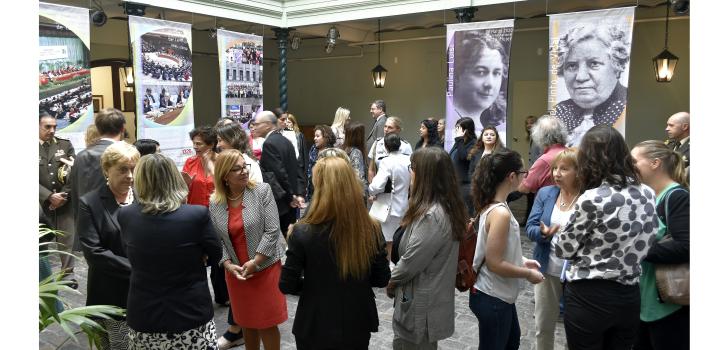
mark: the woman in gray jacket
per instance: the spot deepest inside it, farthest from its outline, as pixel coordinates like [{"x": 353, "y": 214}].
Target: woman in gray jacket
[{"x": 423, "y": 282}]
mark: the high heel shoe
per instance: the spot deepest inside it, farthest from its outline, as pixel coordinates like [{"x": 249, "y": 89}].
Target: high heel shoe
[{"x": 230, "y": 340}]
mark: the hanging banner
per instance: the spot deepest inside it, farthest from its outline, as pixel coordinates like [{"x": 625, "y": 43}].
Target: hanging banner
[
  {"x": 162, "y": 56},
  {"x": 64, "y": 70},
  {"x": 478, "y": 58},
  {"x": 589, "y": 68},
  {"x": 241, "y": 75}
]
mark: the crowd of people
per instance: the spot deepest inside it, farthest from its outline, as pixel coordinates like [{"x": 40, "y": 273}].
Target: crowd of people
[
  {"x": 246, "y": 52},
  {"x": 69, "y": 104},
  {"x": 243, "y": 91},
  {"x": 180, "y": 72},
  {"x": 271, "y": 216}
]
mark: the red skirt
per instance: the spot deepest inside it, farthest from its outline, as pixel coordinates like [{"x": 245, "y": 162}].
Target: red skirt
[{"x": 258, "y": 303}]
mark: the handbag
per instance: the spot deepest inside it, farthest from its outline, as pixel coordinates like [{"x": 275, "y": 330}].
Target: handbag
[
  {"x": 380, "y": 208},
  {"x": 465, "y": 276},
  {"x": 672, "y": 280}
]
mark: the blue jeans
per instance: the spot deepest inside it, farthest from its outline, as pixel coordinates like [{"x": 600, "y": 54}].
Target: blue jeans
[{"x": 497, "y": 322}]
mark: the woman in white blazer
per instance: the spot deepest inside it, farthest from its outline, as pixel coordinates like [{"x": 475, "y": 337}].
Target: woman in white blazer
[{"x": 395, "y": 173}]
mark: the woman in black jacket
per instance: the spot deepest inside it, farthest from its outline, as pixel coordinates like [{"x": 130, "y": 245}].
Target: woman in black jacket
[
  {"x": 464, "y": 141},
  {"x": 101, "y": 241},
  {"x": 168, "y": 243},
  {"x": 341, "y": 253},
  {"x": 664, "y": 325}
]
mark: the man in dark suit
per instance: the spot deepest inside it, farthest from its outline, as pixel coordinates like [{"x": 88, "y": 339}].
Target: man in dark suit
[
  {"x": 279, "y": 167},
  {"x": 87, "y": 174},
  {"x": 678, "y": 130},
  {"x": 377, "y": 111},
  {"x": 56, "y": 157}
]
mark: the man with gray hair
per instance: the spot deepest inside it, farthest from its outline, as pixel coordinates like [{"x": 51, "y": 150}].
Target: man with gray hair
[
  {"x": 550, "y": 134},
  {"x": 377, "y": 111},
  {"x": 279, "y": 168}
]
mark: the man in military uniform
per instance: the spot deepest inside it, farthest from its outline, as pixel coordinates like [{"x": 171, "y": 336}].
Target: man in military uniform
[
  {"x": 678, "y": 131},
  {"x": 56, "y": 157}
]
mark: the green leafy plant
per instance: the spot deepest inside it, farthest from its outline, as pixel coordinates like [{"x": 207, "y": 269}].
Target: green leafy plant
[{"x": 83, "y": 317}]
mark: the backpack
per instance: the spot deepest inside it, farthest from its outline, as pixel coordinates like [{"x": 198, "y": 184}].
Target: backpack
[{"x": 465, "y": 276}]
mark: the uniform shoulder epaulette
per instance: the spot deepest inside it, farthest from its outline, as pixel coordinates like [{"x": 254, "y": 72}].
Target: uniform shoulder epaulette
[{"x": 61, "y": 138}]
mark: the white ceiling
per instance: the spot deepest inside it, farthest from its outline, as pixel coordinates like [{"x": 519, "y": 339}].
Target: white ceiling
[{"x": 356, "y": 19}]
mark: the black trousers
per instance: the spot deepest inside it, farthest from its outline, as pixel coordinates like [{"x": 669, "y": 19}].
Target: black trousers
[
  {"x": 671, "y": 332},
  {"x": 601, "y": 315},
  {"x": 287, "y": 219},
  {"x": 217, "y": 278}
]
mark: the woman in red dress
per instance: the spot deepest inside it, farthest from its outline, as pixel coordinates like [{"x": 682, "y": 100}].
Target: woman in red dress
[
  {"x": 198, "y": 169},
  {"x": 246, "y": 219}
]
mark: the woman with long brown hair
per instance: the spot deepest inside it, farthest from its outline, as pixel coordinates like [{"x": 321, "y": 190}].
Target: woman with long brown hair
[
  {"x": 608, "y": 235},
  {"x": 423, "y": 281},
  {"x": 335, "y": 256},
  {"x": 488, "y": 142},
  {"x": 355, "y": 148}
]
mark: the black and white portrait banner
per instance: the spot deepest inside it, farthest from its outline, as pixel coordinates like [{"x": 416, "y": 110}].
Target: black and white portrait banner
[
  {"x": 589, "y": 65},
  {"x": 478, "y": 59}
]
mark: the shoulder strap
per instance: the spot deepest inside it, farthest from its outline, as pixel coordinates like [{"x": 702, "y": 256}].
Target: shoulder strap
[{"x": 667, "y": 210}]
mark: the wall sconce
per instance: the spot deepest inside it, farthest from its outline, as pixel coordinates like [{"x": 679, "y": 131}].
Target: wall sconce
[
  {"x": 295, "y": 42},
  {"x": 332, "y": 36},
  {"x": 665, "y": 62},
  {"x": 379, "y": 72}
]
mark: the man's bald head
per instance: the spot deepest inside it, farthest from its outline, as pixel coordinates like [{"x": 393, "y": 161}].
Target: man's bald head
[
  {"x": 678, "y": 126},
  {"x": 265, "y": 122}
]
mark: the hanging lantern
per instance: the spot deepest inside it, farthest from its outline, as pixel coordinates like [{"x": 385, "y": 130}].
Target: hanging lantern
[
  {"x": 665, "y": 62},
  {"x": 378, "y": 74}
]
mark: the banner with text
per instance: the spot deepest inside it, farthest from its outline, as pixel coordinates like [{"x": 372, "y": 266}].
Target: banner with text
[
  {"x": 241, "y": 75},
  {"x": 588, "y": 68},
  {"x": 64, "y": 70},
  {"x": 162, "y": 56},
  {"x": 478, "y": 56}
]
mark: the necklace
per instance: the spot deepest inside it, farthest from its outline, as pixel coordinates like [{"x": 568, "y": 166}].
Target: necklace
[
  {"x": 236, "y": 198},
  {"x": 564, "y": 204},
  {"x": 128, "y": 198}
]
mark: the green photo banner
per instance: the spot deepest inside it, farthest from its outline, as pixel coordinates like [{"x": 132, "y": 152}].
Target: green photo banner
[
  {"x": 64, "y": 70},
  {"x": 162, "y": 56}
]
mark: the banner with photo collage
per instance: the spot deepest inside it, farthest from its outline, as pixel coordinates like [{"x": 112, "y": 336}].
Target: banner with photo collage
[
  {"x": 588, "y": 69},
  {"x": 64, "y": 70},
  {"x": 241, "y": 75},
  {"x": 478, "y": 56},
  {"x": 162, "y": 56}
]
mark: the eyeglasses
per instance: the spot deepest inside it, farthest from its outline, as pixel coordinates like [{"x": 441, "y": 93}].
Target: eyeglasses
[
  {"x": 523, "y": 172},
  {"x": 411, "y": 167},
  {"x": 242, "y": 169}
]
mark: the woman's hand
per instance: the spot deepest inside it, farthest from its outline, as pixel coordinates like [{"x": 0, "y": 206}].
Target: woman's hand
[
  {"x": 531, "y": 264},
  {"x": 548, "y": 232},
  {"x": 233, "y": 269},
  {"x": 187, "y": 178},
  {"x": 390, "y": 290},
  {"x": 248, "y": 269}
]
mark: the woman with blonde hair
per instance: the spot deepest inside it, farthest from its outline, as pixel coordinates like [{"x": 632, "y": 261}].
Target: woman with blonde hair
[
  {"x": 335, "y": 256},
  {"x": 664, "y": 325},
  {"x": 168, "y": 242},
  {"x": 342, "y": 116},
  {"x": 551, "y": 211},
  {"x": 102, "y": 245},
  {"x": 246, "y": 219}
]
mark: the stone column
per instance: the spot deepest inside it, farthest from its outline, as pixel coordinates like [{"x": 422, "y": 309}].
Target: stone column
[{"x": 282, "y": 35}]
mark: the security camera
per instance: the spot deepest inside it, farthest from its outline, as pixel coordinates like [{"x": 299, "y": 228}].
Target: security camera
[
  {"x": 99, "y": 18},
  {"x": 680, "y": 7}
]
